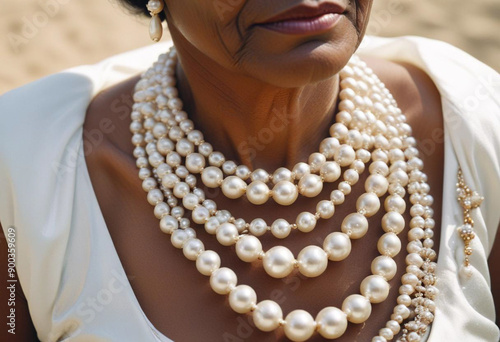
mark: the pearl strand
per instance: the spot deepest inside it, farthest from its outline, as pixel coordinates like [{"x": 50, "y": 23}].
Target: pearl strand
[{"x": 298, "y": 315}]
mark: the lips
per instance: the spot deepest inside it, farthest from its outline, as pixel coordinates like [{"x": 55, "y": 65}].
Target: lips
[
  {"x": 304, "y": 12},
  {"x": 305, "y": 19}
]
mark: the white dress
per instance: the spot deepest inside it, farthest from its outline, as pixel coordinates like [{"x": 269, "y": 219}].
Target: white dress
[{"x": 72, "y": 277}]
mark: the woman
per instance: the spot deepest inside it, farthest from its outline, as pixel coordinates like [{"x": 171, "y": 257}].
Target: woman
[{"x": 264, "y": 81}]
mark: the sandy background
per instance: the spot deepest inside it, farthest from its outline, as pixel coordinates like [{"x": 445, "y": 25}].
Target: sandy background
[{"x": 44, "y": 36}]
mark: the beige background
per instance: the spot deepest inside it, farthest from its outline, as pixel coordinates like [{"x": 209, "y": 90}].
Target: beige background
[{"x": 45, "y": 36}]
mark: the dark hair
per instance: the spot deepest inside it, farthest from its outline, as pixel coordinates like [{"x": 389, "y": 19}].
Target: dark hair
[{"x": 139, "y": 7}]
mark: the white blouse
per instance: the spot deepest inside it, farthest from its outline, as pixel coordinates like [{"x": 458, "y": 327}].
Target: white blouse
[{"x": 71, "y": 275}]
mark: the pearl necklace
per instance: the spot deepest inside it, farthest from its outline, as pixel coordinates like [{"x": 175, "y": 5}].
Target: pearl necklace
[{"x": 368, "y": 120}]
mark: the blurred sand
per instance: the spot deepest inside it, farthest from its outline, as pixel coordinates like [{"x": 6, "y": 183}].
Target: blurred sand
[{"x": 46, "y": 36}]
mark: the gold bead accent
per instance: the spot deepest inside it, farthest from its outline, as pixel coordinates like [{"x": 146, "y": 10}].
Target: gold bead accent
[{"x": 469, "y": 200}]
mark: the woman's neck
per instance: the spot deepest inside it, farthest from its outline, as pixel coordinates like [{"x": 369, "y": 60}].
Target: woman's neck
[{"x": 257, "y": 124}]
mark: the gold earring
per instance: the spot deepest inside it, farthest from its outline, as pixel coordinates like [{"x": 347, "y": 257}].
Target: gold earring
[{"x": 155, "y": 27}]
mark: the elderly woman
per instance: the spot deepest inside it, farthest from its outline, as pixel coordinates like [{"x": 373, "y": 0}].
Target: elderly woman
[{"x": 278, "y": 186}]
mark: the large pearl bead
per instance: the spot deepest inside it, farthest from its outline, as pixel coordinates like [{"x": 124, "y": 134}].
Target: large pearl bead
[
  {"x": 192, "y": 248},
  {"x": 299, "y": 326},
  {"x": 337, "y": 245},
  {"x": 242, "y": 298},
  {"x": 207, "y": 262},
  {"x": 267, "y": 315},
  {"x": 313, "y": 261},
  {"x": 285, "y": 193},
  {"x": 368, "y": 204},
  {"x": 357, "y": 308},
  {"x": 375, "y": 288},
  {"x": 393, "y": 222},
  {"x": 223, "y": 280},
  {"x": 200, "y": 215},
  {"x": 278, "y": 262},
  {"x": 310, "y": 185},
  {"x": 248, "y": 248},
  {"x": 227, "y": 234},
  {"x": 377, "y": 184},
  {"x": 384, "y": 266},
  {"x": 212, "y": 177},
  {"x": 332, "y": 322},
  {"x": 233, "y": 187},
  {"x": 195, "y": 162},
  {"x": 257, "y": 192},
  {"x": 345, "y": 155},
  {"x": 330, "y": 171},
  {"x": 168, "y": 224},
  {"x": 389, "y": 244},
  {"x": 355, "y": 225}
]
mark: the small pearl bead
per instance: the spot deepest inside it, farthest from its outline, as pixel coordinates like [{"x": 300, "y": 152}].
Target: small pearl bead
[
  {"x": 227, "y": 234},
  {"x": 223, "y": 280},
  {"x": 233, "y": 187},
  {"x": 281, "y": 228},
  {"x": 207, "y": 262},
  {"x": 192, "y": 248},
  {"x": 211, "y": 225},
  {"x": 355, "y": 225},
  {"x": 257, "y": 192},
  {"x": 248, "y": 248},
  {"x": 242, "y": 298},
  {"x": 357, "y": 308},
  {"x": 337, "y": 245},
  {"x": 375, "y": 288},
  {"x": 180, "y": 236},
  {"x": 282, "y": 174},
  {"x": 285, "y": 193},
  {"x": 258, "y": 227},
  {"x": 278, "y": 262},
  {"x": 305, "y": 222},
  {"x": 299, "y": 325},
  {"x": 312, "y": 261},
  {"x": 384, "y": 266},
  {"x": 260, "y": 175},
  {"x": 310, "y": 185},
  {"x": 332, "y": 322},
  {"x": 267, "y": 315}
]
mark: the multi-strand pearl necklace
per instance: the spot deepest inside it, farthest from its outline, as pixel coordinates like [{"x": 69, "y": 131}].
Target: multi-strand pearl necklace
[{"x": 370, "y": 127}]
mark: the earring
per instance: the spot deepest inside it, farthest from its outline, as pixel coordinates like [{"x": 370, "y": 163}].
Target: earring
[{"x": 155, "y": 27}]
